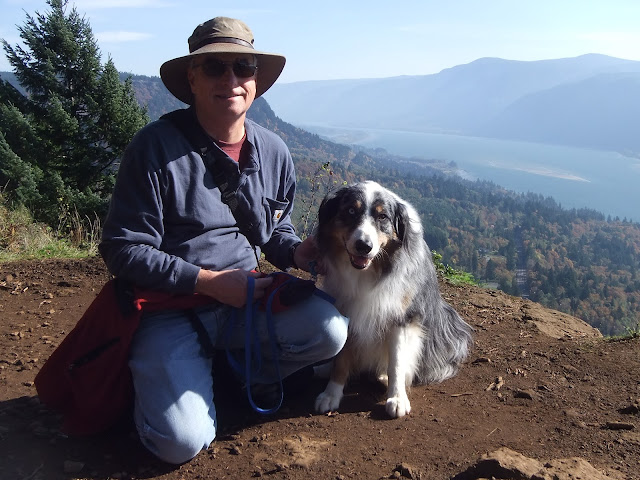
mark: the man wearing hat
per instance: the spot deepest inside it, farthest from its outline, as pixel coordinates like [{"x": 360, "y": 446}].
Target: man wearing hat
[{"x": 170, "y": 230}]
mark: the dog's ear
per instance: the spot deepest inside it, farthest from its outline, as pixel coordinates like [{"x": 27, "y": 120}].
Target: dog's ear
[
  {"x": 329, "y": 206},
  {"x": 401, "y": 221}
]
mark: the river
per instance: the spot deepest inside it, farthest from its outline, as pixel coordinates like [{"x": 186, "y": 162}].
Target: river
[{"x": 575, "y": 177}]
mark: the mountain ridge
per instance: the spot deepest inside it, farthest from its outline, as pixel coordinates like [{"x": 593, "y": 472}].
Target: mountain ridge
[
  {"x": 488, "y": 97},
  {"x": 464, "y": 99}
]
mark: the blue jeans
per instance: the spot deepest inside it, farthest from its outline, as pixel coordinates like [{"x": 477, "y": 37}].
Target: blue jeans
[{"x": 174, "y": 410}]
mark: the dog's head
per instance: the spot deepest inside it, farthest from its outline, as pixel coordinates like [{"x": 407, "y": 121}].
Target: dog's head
[{"x": 367, "y": 223}]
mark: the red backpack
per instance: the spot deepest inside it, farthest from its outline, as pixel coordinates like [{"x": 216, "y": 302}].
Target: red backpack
[{"x": 87, "y": 377}]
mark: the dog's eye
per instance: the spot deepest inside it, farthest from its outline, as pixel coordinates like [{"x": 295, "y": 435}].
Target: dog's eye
[
  {"x": 382, "y": 217},
  {"x": 351, "y": 211}
]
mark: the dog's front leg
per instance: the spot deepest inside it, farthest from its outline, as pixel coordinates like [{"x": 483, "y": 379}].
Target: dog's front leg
[
  {"x": 330, "y": 399},
  {"x": 398, "y": 404}
]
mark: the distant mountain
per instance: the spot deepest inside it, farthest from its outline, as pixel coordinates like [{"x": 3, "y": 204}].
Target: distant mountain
[
  {"x": 588, "y": 101},
  {"x": 599, "y": 112},
  {"x": 11, "y": 78},
  {"x": 151, "y": 92},
  {"x": 488, "y": 97}
]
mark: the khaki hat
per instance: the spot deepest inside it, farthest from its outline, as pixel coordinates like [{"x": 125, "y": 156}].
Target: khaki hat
[{"x": 220, "y": 35}]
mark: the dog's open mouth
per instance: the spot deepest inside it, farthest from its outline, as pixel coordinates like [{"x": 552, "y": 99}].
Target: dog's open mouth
[{"x": 360, "y": 262}]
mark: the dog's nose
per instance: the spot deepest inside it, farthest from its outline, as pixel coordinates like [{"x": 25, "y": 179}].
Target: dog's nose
[{"x": 363, "y": 246}]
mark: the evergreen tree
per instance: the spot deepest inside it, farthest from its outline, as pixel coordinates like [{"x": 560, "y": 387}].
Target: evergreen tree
[{"x": 60, "y": 143}]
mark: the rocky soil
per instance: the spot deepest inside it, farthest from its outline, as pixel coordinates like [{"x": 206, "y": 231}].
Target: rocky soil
[{"x": 542, "y": 396}]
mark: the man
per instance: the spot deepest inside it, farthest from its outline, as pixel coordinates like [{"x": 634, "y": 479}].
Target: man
[{"x": 169, "y": 230}]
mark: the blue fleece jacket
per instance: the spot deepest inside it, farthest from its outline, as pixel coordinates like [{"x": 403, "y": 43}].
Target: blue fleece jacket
[{"x": 167, "y": 220}]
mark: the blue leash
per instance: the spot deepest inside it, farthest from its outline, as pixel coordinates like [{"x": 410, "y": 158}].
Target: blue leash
[
  {"x": 252, "y": 353},
  {"x": 252, "y": 347}
]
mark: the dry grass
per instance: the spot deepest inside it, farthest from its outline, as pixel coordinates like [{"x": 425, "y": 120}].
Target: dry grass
[{"x": 23, "y": 238}]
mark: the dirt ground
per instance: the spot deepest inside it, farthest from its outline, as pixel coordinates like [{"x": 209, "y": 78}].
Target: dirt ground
[{"x": 538, "y": 382}]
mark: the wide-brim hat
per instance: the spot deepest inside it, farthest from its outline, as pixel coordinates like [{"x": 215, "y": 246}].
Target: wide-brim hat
[{"x": 220, "y": 35}]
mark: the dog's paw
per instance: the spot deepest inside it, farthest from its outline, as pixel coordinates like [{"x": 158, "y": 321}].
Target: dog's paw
[
  {"x": 398, "y": 406},
  {"x": 326, "y": 402}
]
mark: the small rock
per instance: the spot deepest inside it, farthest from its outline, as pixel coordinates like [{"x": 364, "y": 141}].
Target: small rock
[
  {"x": 482, "y": 360},
  {"x": 506, "y": 463},
  {"x": 619, "y": 426},
  {"x": 408, "y": 471},
  {"x": 496, "y": 385},
  {"x": 634, "y": 408},
  {"x": 526, "y": 394},
  {"x": 257, "y": 472}
]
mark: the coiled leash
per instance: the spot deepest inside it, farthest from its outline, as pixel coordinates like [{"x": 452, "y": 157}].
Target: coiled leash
[{"x": 285, "y": 291}]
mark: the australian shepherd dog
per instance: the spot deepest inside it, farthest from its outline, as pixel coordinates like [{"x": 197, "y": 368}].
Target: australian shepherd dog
[{"x": 379, "y": 269}]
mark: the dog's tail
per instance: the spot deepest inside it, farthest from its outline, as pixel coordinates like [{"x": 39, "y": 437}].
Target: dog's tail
[{"x": 447, "y": 342}]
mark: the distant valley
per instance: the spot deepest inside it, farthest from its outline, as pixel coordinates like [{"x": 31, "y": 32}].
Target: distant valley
[{"x": 590, "y": 101}]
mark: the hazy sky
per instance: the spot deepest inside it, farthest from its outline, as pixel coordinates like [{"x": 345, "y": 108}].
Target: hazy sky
[{"x": 330, "y": 39}]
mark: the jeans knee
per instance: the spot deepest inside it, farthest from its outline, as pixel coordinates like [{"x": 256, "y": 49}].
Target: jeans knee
[
  {"x": 177, "y": 446},
  {"x": 335, "y": 335}
]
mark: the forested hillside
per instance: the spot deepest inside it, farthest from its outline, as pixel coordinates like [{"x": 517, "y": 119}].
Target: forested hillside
[{"x": 576, "y": 261}]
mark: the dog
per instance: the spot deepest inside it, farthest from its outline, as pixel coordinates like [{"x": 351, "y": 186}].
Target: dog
[{"x": 379, "y": 269}]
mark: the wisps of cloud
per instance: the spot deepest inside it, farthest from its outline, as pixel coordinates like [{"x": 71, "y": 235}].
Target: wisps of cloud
[
  {"x": 103, "y": 4},
  {"x": 121, "y": 37}
]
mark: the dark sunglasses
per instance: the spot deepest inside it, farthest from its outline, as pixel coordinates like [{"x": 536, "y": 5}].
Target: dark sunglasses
[{"x": 217, "y": 68}]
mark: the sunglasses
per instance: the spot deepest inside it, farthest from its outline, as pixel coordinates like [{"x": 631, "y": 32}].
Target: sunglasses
[{"x": 216, "y": 68}]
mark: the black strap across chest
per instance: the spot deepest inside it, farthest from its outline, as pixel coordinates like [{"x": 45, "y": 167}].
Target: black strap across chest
[{"x": 185, "y": 121}]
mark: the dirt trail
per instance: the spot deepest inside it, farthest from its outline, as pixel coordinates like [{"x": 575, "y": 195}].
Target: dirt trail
[{"x": 539, "y": 382}]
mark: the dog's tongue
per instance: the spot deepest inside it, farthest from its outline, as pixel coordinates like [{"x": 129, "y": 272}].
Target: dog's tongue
[{"x": 360, "y": 262}]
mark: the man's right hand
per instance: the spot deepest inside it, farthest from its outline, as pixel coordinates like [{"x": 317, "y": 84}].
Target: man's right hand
[{"x": 230, "y": 286}]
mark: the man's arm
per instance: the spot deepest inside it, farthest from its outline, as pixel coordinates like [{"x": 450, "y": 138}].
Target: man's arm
[{"x": 133, "y": 231}]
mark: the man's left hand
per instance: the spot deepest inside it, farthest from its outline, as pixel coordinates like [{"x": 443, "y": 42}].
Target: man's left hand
[{"x": 306, "y": 253}]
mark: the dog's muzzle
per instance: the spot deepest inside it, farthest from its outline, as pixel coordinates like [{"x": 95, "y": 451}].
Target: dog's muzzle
[{"x": 361, "y": 258}]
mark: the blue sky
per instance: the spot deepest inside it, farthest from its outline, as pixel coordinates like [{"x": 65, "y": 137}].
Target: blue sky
[{"x": 357, "y": 39}]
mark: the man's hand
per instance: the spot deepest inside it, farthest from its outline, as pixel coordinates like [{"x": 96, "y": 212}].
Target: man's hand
[
  {"x": 306, "y": 253},
  {"x": 230, "y": 286}
]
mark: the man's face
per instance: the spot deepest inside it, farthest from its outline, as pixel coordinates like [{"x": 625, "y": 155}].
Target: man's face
[{"x": 223, "y": 90}]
